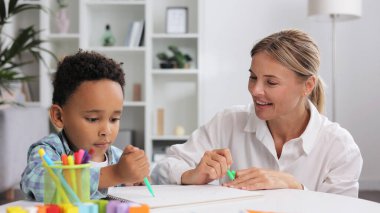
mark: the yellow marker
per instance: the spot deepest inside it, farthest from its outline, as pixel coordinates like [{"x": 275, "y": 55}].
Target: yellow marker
[{"x": 70, "y": 160}]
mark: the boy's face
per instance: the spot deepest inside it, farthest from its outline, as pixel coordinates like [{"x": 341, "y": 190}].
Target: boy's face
[{"x": 91, "y": 115}]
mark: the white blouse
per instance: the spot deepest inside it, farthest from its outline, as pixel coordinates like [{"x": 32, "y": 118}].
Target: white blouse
[{"x": 324, "y": 158}]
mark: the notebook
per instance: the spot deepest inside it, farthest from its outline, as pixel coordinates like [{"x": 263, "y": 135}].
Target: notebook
[{"x": 176, "y": 195}]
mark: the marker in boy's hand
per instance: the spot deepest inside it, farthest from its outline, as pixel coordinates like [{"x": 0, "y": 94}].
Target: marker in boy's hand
[{"x": 133, "y": 165}]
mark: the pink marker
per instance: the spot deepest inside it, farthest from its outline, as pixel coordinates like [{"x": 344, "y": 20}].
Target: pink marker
[{"x": 78, "y": 156}]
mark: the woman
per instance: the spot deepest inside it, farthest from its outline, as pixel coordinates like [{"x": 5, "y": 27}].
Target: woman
[{"x": 279, "y": 141}]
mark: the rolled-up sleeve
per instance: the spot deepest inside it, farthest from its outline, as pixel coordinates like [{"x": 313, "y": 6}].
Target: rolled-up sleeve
[{"x": 343, "y": 178}]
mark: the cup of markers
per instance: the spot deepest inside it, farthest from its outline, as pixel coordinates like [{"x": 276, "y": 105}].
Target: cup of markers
[{"x": 66, "y": 181}]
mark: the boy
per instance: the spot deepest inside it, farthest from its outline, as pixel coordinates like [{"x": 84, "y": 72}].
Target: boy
[{"x": 87, "y": 105}]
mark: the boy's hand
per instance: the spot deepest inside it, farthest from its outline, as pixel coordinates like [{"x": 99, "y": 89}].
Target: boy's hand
[{"x": 133, "y": 165}]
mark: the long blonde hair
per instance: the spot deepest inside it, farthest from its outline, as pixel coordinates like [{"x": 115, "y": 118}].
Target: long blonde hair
[{"x": 296, "y": 51}]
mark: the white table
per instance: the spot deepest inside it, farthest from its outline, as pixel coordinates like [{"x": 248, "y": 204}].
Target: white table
[{"x": 283, "y": 200}]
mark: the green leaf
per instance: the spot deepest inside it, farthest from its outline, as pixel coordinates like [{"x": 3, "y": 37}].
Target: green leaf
[
  {"x": 12, "y": 4},
  {"x": 2, "y": 11}
]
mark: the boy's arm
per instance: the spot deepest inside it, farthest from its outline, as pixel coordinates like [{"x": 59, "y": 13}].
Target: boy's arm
[{"x": 32, "y": 180}]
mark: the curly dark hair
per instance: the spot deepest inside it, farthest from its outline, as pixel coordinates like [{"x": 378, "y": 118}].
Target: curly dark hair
[{"x": 80, "y": 67}]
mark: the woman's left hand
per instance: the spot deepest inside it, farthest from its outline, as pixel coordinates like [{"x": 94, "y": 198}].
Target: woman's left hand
[{"x": 257, "y": 178}]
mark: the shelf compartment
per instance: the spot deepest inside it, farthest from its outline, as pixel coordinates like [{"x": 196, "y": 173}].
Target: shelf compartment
[
  {"x": 185, "y": 45},
  {"x": 133, "y": 119},
  {"x": 178, "y": 96},
  {"x": 118, "y": 16},
  {"x": 159, "y": 13},
  {"x": 61, "y": 48},
  {"x": 72, "y": 12},
  {"x": 133, "y": 65}
]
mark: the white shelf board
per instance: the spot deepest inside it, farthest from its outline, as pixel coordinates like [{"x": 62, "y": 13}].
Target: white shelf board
[
  {"x": 134, "y": 103},
  {"x": 170, "y": 137},
  {"x": 62, "y": 36},
  {"x": 179, "y": 35},
  {"x": 118, "y": 49},
  {"x": 175, "y": 72},
  {"x": 29, "y": 2},
  {"x": 116, "y": 2},
  {"x": 32, "y": 104}
]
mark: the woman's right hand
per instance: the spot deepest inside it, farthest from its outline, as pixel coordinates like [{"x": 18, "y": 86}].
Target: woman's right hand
[{"x": 213, "y": 165}]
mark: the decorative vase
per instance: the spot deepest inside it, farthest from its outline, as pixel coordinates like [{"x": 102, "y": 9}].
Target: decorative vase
[{"x": 63, "y": 21}]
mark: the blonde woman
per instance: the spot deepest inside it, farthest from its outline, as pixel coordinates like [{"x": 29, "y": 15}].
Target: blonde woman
[{"x": 281, "y": 140}]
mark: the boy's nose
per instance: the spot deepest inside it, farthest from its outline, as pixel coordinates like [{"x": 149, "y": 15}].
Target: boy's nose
[{"x": 105, "y": 130}]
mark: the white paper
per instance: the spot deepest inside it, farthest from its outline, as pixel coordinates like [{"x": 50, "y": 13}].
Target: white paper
[{"x": 174, "y": 195}]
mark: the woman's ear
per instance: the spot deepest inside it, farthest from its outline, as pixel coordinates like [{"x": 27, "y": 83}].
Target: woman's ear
[
  {"x": 56, "y": 117},
  {"x": 309, "y": 85}
]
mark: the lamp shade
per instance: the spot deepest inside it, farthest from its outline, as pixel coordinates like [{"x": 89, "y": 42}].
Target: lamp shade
[{"x": 322, "y": 10}]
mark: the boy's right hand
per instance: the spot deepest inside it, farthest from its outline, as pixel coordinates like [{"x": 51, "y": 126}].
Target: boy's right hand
[
  {"x": 213, "y": 165},
  {"x": 133, "y": 165}
]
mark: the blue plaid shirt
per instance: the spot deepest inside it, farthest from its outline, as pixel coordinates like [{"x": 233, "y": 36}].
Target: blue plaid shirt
[{"x": 32, "y": 182}]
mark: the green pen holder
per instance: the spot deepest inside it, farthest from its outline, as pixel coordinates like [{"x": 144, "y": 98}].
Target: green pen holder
[{"x": 66, "y": 183}]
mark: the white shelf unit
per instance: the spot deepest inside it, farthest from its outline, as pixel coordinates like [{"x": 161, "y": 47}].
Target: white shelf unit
[{"x": 176, "y": 90}]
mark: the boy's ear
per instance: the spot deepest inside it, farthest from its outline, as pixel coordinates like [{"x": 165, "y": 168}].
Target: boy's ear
[{"x": 56, "y": 116}]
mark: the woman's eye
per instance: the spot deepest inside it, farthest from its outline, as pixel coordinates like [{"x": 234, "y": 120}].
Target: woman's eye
[
  {"x": 272, "y": 83},
  {"x": 252, "y": 77}
]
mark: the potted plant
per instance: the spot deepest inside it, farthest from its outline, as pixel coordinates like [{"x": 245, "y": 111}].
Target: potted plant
[
  {"x": 177, "y": 60},
  {"x": 12, "y": 47}
]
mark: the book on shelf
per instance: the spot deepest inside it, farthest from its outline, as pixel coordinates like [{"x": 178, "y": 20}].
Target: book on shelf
[{"x": 135, "y": 34}]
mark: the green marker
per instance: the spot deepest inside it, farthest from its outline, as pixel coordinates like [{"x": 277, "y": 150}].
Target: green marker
[
  {"x": 231, "y": 174},
  {"x": 147, "y": 184}
]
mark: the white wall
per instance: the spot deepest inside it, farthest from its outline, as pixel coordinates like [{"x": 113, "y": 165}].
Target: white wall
[{"x": 230, "y": 28}]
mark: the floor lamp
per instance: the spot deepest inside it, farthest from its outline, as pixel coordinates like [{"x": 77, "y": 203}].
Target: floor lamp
[{"x": 334, "y": 11}]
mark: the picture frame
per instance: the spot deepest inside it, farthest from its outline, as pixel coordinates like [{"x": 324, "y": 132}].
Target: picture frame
[{"x": 176, "y": 20}]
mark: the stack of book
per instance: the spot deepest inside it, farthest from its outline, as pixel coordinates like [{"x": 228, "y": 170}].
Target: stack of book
[{"x": 135, "y": 36}]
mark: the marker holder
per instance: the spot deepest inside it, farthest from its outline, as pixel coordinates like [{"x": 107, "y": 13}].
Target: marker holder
[{"x": 77, "y": 178}]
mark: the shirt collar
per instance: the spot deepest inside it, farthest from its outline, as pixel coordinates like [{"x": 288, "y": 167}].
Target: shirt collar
[
  {"x": 308, "y": 137},
  {"x": 65, "y": 143}
]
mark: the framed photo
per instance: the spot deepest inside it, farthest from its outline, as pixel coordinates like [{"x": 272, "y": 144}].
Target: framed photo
[{"x": 176, "y": 20}]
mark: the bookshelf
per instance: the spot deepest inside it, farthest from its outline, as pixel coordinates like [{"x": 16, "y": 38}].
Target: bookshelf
[{"x": 177, "y": 91}]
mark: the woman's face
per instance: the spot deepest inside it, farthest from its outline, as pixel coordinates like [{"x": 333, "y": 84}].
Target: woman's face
[{"x": 277, "y": 92}]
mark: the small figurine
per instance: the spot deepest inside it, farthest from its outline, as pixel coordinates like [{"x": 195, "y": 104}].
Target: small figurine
[{"x": 108, "y": 39}]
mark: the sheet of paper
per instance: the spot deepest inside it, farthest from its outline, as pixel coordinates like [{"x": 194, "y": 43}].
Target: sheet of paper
[{"x": 173, "y": 195}]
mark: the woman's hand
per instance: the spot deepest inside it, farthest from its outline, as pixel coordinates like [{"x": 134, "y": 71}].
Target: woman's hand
[
  {"x": 256, "y": 179},
  {"x": 213, "y": 165}
]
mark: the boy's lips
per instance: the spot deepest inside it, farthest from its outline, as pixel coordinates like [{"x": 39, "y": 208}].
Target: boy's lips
[{"x": 102, "y": 144}]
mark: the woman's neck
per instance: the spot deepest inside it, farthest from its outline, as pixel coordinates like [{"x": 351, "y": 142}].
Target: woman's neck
[{"x": 288, "y": 128}]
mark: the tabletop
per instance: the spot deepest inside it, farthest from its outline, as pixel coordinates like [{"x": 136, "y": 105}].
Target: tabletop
[{"x": 281, "y": 200}]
